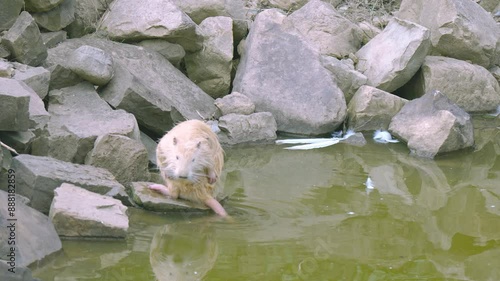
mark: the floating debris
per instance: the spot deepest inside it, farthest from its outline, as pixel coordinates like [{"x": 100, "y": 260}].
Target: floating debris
[
  {"x": 383, "y": 137},
  {"x": 317, "y": 142}
]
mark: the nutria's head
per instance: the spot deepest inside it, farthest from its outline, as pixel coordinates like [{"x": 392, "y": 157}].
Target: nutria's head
[{"x": 188, "y": 161}]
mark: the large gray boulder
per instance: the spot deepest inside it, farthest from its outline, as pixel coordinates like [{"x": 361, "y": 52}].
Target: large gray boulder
[
  {"x": 150, "y": 146},
  {"x": 392, "y": 57},
  {"x": 210, "y": 68},
  {"x": 9, "y": 12},
  {"x": 92, "y": 64},
  {"x": 235, "y": 103},
  {"x": 52, "y": 39},
  {"x": 470, "y": 86},
  {"x": 35, "y": 236},
  {"x": 326, "y": 29},
  {"x": 41, "y": 5},
  {"x": 77, "y": 212},
  {"x": 372, "y": 109},
  {"x": 87, "y": 16},
  {"x": 131, "y": 20},
  {"x": 24, "y": 41},
  {"x": 57, "y": 18},
  {"x": 174, "y": 53},
  {"x": 271, "y": 73},
  {"x": 14, "y": 95},
  {"x": 433, "y": 124},
  {"x": 239, "y": 128},
  {"x": 78, "y": 117},
  {"x": 143, "y": 80},
  {"x": 37, "y": 78},
  {"x": 125, "y": 158},
  {"x": 41, "y": 175},
  {"x": 348, "y": 79},
  {"x": 459, "y": 29}
]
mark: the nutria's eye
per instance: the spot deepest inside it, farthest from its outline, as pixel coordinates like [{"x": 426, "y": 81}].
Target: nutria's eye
[
  {"x": 175, "y": 141},
  {"x": 177, "y": 157},
  {"x": 192, "y": 160}
]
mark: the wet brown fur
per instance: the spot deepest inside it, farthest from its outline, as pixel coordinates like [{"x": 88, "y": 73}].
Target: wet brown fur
[{"x": 189, "y": 138}]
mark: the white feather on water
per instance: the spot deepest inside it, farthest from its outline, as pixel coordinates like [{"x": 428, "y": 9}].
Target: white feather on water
[
  {"x": 369, "y": 183},
  {"x": 315, "y": 143},
  {"x": 383, "y": 137}
]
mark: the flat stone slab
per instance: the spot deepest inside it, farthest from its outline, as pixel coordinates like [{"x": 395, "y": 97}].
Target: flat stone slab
[
  {"x": 154, "y": 201},
  {"x": 77, "y": 212}
]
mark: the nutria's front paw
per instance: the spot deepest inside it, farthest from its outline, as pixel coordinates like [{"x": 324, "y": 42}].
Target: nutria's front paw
[{"x": 212, "y": 178}]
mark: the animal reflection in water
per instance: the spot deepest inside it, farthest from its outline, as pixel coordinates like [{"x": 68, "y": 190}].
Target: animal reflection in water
[{"x": 183, "y": 252}]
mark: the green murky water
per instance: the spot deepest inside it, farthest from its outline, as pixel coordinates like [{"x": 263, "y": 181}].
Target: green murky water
[{"x": 306, "y": 215}]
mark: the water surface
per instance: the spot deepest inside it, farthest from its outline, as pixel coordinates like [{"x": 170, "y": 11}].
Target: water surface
[{"x": 307, "y": 215}]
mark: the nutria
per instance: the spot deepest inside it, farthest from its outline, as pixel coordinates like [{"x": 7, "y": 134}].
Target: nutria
[{"x": 190, "y": 160}]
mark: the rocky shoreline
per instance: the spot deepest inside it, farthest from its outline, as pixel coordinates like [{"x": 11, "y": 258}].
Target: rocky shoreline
[{"x": 87, "y": 86}]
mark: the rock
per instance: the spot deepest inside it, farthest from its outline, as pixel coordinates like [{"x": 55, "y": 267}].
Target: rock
[
  {"x": 21, "y": 273},
  {"x": 235, "y": 103},
  {"x": 87, "y": 17},
  {"x": 41, "y": 175},
  {"x": 57, "y": 18},
  {"x": 6, "y": 69},
  {"x": 433, "y": 124},
  {"x": 369, "y": 31},
  {"x": 125, "y": 158},
  {"x": 10, "y": 11},
  {"x": 489, "y": 5},
  {"x": 326, "y": 29},
  {"x": 78, "y": 117},
  {"x": 495, "y": 71},
  {"x": 210, "y": 67},
  {"x": 154, "y": 201},
  {"x": 143, "y": 80},
  {"x": 459, "y": 29},
  {"x": 150, "y": 146},
  {"x": 357, "y": 140},
  {"x": 392, "y": 58},
  {"x": 200, "y": 10},
  {"x": 271, "y": 73},
  {"x": 131, "y": 20},
  {"x": 41, "y": 5},
  {"x": 24, "y": 41},
  {"x": 348, "y": 79},
  {"x": 19, "y": 140},
  {"x": 77, "y": 212},
  {"x": 287, "y": 5},
  {"x": 92, "y": 64},
  {"x": 35, "y": 235},
  {"x": 37, "y": 78},
  {"x": 372, "y": 109},
  {"x": 174, "y": 53},
  {"x": 470, "y": 86},
  {"x": 19, "y": 101},
  {"x": 238, "y": 128},
  {"x": 51, "y": 39}
]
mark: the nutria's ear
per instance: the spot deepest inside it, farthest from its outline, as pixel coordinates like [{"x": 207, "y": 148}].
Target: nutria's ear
[
  {"x": 198, "y": 145},
  {"x": 175, "y": 141}
]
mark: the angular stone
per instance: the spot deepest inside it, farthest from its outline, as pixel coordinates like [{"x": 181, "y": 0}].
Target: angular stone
[
  {"x": 150, "y": 145},
  {"x": 41, "y": 175},
  {"x": 87, "y": 17},
  {"x": 125, "y": 158},
  {"x": 57, "y": 18},
  {"x": 210, "y": 68},
  {"x": 24, "y": 41},
  {"x": 388, "y": 70},
  {"x": 235, "y": 103},
  {"x": 470, "y": 86},
  {"x": 372, "y": 109},
  {"x": 37, "y": 78},
  {"x": 4, "y": 53},
  {"x": 288, "y": 5},
  {"x": 78, "y": 117},
  {"x": 459, "y": 29},
  {"x": 77, "y": 212},
  {"x": 143, "y": 80},
  {"x": 92, "y": 64},
  {"x": 51, "y": 39},
  {"x": 15, "y": 96},
  {"x": 174, "y": 53},
  {"x": 131, "y": 20},
  {"x": 348, "y": 79},
  {"x": 9, "y": 12},
  {"x": 271, "y": 73},
  {"x": 369, "y": 31},
  {"x": 41, "y": 5},
  {"x": 154, "y": 201},
  {"x": 433, "y": 124},
  {"x": 326, "y": 29},
  {"x": 35, "y": 235},
  {"x": 6, "y": 69},
  {"x": 20, "y": 140},
  {"x": 256, "y": 127}
]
